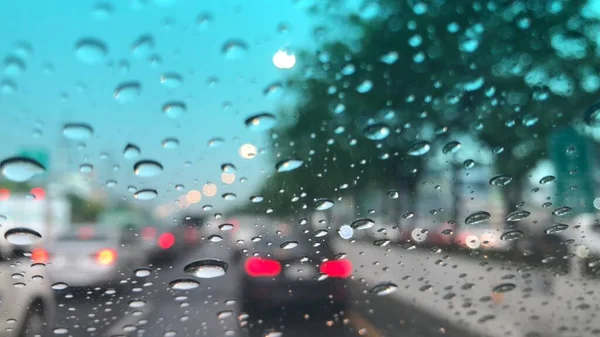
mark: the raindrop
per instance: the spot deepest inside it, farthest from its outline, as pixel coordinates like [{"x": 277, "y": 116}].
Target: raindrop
[
  {"x": 320, "y": 233},
  {"x": 215, "y": 142},
  {"x": 451, "y": 147},
  {"x": 377, "y": 131},
  {"x": 362, "y": 223},
  {"x": 206, "y": 268},
  {"x": 256, "y": 198},
  {"x": 562, "y": 211},
  {"x": 90, "y": 51},
  {"x": 224, "y": 314},
  {"x": 228, "y": 168},
  {"x": 13, "y": 66},
  {"x": 147, "y": 168},
  {"x": 381, "y": 242},
  {"x": 383, "y": 289},
  {"x": 468, "y": 164},
  {"x": 174, "y": 109},
  {"x": 530, "y": 120},
  {"x": 20, "y": 169},
  {"x": 229, "y": 196},
  {"x": 345, "y": 232},
  {"x": 273, "y": 90},
  {"x": 393, "y": 194},
  {"x": 556, "y": 229},
  {"x": 323, "y": 204},
  {"x": 184, "y": 284},
  {"x": 131, "y": 151},
  {"x": 504, "y": 287},
  {"x": 215, "y": 238},
  {"x": 365, "y": 86},
  {"x": 592, "y": 115},
  {"x": 261, "y": 122},
  {"x": 145, "y": 194},
  {"x": 511, "y": 235},
  {"x": 170, "y": 143},
  {"x": 142, "y": 272},
  {"x": 127, "y": 92},
  {"x": 501, "y": 180},
  {"x": 226, "y": 227},
  {"x": 59, "y": 286},
  {"x": 137, "y": 304},
  {"x": 477, "y": 218},
  {"x": 289, "y": 245},
  {"x": 171, "y": 80},
  {"x": 22, "y": 236},
  {"x": 517, "y": 215},
  {"x": 77, "y": 131},
  {"x": 419, "y": 148},
  {"x": 143, "y": 46},
  {"x": 547, "y": 179},
  {"x": 234, "y": 49},
  {"x": 288, "y": 165},
  {"x": 60, "y": 331}
]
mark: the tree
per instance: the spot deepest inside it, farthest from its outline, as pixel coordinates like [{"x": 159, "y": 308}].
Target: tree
[{"x": 507, "y": 73}]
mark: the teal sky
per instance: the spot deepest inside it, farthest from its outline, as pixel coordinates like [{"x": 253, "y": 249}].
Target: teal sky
[{"x": 56, "y": 87}]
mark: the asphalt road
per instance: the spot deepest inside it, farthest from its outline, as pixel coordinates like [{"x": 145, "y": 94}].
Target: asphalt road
[{"x": 159, "y": 311}]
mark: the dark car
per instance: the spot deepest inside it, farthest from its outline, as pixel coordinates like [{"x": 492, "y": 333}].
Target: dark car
[{"x": 290, "y": 268}]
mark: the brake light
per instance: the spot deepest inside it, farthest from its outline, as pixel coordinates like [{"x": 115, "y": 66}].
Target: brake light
[
  {"x": 39, "y": 255},
  {"x": 337, "y": 268},
  {"x": 106, "y": 256},
  {"x": 148, "y": 233},
  {"x": 166, "y": 240},
  {"x": 259, "y": 267}
]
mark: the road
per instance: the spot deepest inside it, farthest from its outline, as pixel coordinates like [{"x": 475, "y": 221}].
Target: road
[{"x": 438, "y": 294}]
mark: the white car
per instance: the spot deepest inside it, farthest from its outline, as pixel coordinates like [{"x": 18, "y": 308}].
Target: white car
[
  {"x": 26, "y": 297},
  {"x": 94, "y": 256}
]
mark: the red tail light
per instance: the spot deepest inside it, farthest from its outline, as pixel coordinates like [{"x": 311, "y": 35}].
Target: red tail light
[
  {"x": 259, "y": 267},
  {"x": 148, "y": 233},
  {"x": 39, "y": 255},
  {"x": 106, "y": 256},
  {"x": 337, "y": 268},
  {"x": 166, "y": 240}
]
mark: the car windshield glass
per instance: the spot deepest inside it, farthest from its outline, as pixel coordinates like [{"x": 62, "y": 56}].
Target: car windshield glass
[{"x": 262, "y": 168}]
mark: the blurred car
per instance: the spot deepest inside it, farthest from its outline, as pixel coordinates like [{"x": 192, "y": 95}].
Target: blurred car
[
  {"x": 26, "y": 299},
  {"x": 93, "y": 255},
  {"x": 292, "y": 268},
  {"x": 163, "y": 243},
  {"x": 481, "y": 236}
]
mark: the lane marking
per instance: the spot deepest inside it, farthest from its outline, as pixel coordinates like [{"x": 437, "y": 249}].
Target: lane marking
[{"x": 362, "y": 325}]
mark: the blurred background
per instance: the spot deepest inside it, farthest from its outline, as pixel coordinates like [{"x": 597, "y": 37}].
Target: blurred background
[{"x": 336, "y": 168}]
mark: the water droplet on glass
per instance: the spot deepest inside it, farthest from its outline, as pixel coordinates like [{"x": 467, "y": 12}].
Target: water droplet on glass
[
  {"x": 184, "y": 284},
  {"x": 284, "y": 59},
  {"x": 547, "y": 179},
  {"x": 228, "y": 168},
  {"x": 288, "y": 165},
  {"x": 147, "y": 168},
  {"x": 131, "y": 151},
  {"x": 562, "y": 211},
  {"x": 591, "y": 115},
  {"x": 59, "y": 286},
  {"x": 127, "y": 92},
  {"x": 362, "y": 223},
  {"x": 382, "y": 242},
  {"x": 419, "y": 148},
  {"x": 171, "y": 80},
  {"x": 556, "y": 229},
  {"x": 137, "y": 304},
  {"x": 170, "y": 143},
  {"x": 517, "y": 215},
  {"x": 384, "y": 288},
  {"x": 203, "y": 20},
  {"x": 224, "y": 314},
  {"x": 501, "y": 180},
  {"x": 273, "y": 90},
  {"x": 142, "y": 46},
  {"x": 206, "y": 268},
  {"x": 289, "y": 245},
  {"x": 60, "y": 331},
  {"x": 346, "y": 232},
  {"x": 90, "y": 51},
  {"x": 504, "y": 287},
  {"x": 320, "y": 233},
  {"x": 174, "y": 109},
  {"x": 261, "y": 122},
  {"x": 111, "y": 183},
  {"x": 20, "y": 169},
  {"x": 393, "y": 194},
  {"x": 77, "y": 131},
  {"x": 145, "y": 194},
  {"x": 365, "y": 86},
  {"x": 477, "y": 217},
  {"x": 226, "y": 227},
  {"x": 256, "y": 199},
  {"x": 215, "y": 238},
  {"x": 22, "y": 236},
  {"x": 469, "y": 163},
  {"x": 234, "y": 49},
  {"x": 323, "y": 204},
  {"x": 451, "y": 147},
  {"x": 377, "y": 131},
  {"x": 511, "y": 235},
  {"x": 102, "y": 11},
  {"x": 142, "y": 272},
  {"x": 229, "y": 196},
  {"x": 13, "y": 66},
  {"x": 215, "y": 142}
]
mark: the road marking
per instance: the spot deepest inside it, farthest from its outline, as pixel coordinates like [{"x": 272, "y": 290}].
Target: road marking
[
  {"x": 362, "y": 325},
  {"x": 117, "y": 328}
]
